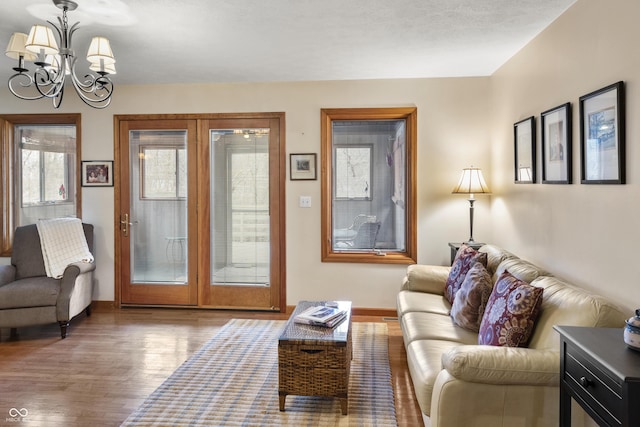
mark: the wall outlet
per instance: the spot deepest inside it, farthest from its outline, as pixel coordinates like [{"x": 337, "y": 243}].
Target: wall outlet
[{"x": 305, "y": 201}]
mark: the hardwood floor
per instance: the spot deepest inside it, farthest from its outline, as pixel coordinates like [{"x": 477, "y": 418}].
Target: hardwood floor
[{"x": 113, "y": 359}]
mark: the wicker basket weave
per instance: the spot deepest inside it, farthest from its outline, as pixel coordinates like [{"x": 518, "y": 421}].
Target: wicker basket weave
[{"x": 314, "y": 367}]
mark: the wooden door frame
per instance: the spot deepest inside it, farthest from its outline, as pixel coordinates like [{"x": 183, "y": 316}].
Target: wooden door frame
[{"x": 280, "y": 161}]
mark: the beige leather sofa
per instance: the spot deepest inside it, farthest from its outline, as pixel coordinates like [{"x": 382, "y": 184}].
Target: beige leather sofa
[{"x": 460, "y": 383}]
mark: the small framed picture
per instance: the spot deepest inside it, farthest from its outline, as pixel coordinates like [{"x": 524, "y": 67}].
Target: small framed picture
[
  {"x": 97, "y": 173},
  {"x": 524, "y": 134},
  {"x": 556, "y": 145},
  {"x": 602, "y": 136},
  {"x": 303, "y": 166}
]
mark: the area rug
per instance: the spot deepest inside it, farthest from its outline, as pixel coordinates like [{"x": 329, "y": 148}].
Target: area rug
[{"x": 233, "y": 381}]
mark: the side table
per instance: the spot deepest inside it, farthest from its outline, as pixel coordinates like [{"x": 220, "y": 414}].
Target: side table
[
  {"x": 601, "y": 373},
  {"x": 455, "y": 246}
]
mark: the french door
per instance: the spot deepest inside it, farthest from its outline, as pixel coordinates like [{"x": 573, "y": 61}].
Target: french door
[{"x": 200, "y": 211}]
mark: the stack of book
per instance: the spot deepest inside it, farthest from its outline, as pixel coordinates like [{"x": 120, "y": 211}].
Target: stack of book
[{"x": 327, "y": 317}]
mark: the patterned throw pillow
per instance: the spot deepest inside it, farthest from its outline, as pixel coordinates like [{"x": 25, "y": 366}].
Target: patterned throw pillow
[
  {"x": 510, "y": 314},
  {"x": 464, "y": 260},
  {"x": 471, "y": 298}
]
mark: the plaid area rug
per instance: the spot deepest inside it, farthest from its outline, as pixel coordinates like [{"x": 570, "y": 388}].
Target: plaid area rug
[{"x": 233, "y": 381}]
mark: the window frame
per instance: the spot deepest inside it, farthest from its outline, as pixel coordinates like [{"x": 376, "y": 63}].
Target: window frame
[
  {"x": 9, "y": 171},
  {"x": 327, "y": 117}
]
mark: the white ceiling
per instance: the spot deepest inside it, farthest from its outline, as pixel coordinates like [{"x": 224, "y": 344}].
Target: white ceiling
[{"x": 196, "y": 41}]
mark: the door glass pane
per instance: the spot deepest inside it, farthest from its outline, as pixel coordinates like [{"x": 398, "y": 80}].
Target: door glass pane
[
  {"x": 240, "y": 207},
  {"x": 158, "y": 206}
]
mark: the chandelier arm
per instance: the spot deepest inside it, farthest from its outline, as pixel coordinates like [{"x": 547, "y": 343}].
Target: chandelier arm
[
  {"x": 94, "y": 92},
  {"x": 72, "y": 30},
  {"x": 47, "y": 86},
  {"x": 57, "y": 100},
  {"x": 58, "y": 30},
  {"x": 14, "y": 79}
]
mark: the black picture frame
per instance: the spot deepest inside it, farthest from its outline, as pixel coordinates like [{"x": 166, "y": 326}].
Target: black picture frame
[
  {"x": 556, "y": 137},
  {"x": 97, "y": 173},
  {"x": 524, "y": 139},
  {"x": 602, "y": 136},
  {"x": 302, "y": 167}
]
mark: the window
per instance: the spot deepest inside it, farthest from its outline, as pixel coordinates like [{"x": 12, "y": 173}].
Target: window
[
  {"x": 164, "y": 171},
  {"x": 353, "y": 172},
  {"x": 39, "y": 170},
  {"x": 368, "y": 185}
]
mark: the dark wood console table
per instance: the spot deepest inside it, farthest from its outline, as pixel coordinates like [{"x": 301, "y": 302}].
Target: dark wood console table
[{"x": 601, "y": 373}]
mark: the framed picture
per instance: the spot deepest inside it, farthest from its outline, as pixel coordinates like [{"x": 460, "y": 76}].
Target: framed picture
[
  {"x": 602, "y": 136},
  {"x": 303, "y": 166},
  {"x": 97, "y": 173},
  {"x": 556, "y": 145},
  {"x": 524, "y": 134}
]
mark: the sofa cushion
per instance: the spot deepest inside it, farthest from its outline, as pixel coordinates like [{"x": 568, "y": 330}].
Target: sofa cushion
[
  {"x": 462, "y": 263},
  {"x": 471, "y": 299},
  {"x": 408, "y": 301},
  {"x": 520, "y": 269},
  {"x": 424, "y": 358},
  {"x": 432, "y": 326},
  {"x": 495, "y": 256},
  {"x": 565, "y": 304},
  {"x": 31, "y": 292},
  {"x": 511, "y": 312}
]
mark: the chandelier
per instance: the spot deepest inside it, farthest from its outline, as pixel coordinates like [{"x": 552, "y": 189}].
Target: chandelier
[{"x": 54, "y": 64}]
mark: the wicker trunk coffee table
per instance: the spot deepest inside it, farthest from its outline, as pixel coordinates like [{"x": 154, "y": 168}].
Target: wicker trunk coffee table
[{"x": 314, "y": 360}]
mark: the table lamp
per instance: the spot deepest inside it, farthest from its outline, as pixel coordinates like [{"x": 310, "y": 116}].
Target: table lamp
[{"x": 471, "y": 182}]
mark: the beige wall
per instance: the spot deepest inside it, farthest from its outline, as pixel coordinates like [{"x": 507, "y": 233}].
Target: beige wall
[
  {"x": 584, "y": 233},
  {"x": 453, "y": 132}
]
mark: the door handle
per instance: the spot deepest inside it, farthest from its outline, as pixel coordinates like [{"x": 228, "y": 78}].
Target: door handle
[{"x": 124, "y": 224}]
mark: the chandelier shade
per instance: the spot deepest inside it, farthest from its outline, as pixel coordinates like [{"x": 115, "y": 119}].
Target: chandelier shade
[
  {"x": 17, "y": 48},
  {"x": 108, "y": 68},
  {"x": 42, "y": 41},
  {"x": 100, "y": 50},
  {"x": 55, "y": 63}
]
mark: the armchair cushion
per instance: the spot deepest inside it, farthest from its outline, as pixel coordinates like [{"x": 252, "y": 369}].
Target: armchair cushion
[
  {"x": 7, "y": 274},
  {"x": 30, "y": 292},
  {"x": 27, "y": 253}
]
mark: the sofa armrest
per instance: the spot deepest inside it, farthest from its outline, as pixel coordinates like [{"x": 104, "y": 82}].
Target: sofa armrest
[
  {"x": 426, "y": 278},
  {"x": 7, "y": 274},
  {"x": 503, "y": 365}
]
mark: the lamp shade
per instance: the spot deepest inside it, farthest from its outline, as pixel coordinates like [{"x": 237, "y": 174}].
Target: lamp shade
[
  {"x": 16, "y": 47},
  {"x": 471, "y": 182},
  {"x": 41, "y": 39},
  {"x": 100, "y": 50}
]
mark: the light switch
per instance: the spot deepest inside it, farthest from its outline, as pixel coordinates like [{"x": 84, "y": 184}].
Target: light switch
[{"x": 305, "y": 201}]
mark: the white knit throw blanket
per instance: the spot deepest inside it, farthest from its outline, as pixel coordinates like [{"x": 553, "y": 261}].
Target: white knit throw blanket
[{"x": 63, "y": 242}]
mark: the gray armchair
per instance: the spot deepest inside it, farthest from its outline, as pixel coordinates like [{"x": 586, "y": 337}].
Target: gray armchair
[{"x": 28, "y": 297}]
